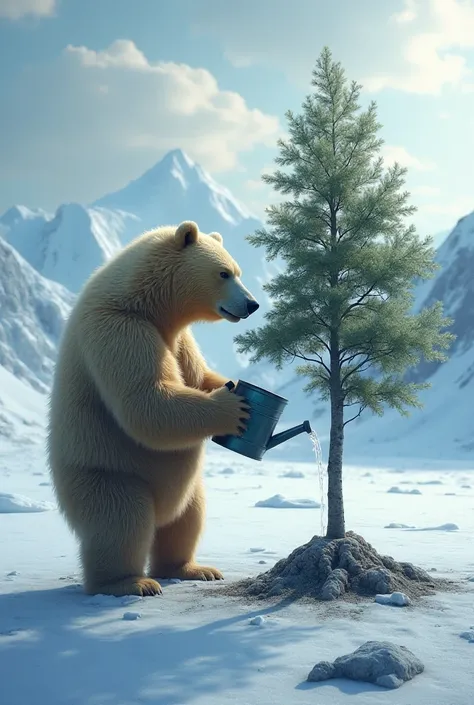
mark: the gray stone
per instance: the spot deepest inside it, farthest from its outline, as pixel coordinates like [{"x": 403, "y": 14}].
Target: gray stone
[
  {"x": 469, "y": 635},
  {"x": 323, "y": 671},
  {"x": 380, "y": 662}
]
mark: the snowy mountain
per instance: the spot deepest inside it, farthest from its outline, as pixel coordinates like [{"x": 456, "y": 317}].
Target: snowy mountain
[
  {"x": 33, "y": 312},
  {"x": 67, "y": 246},
  {"x": 176, "y": 189},
  {"x": 23, "y": 412},
  {"x": 445, "y": 426}
]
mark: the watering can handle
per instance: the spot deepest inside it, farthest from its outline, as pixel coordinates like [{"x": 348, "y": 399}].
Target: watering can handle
[{"x": 230, "y": 385}]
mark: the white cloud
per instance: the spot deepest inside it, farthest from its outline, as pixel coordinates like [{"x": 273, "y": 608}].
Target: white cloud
[
  {"x": 297, "y": 32},
  {"x": 173, "y": 104},
  {"x": 432, "y": 56},
  {"x": 395, "y": 153},
  {"x": 414, "y": 46},
  {"x": 113, "y": 113},
  {"x": 408, "y": 14},
  {"x": 16, "y": 9}
]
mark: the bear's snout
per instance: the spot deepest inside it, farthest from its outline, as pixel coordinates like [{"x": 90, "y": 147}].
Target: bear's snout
[{"x": 252, "y": 306}]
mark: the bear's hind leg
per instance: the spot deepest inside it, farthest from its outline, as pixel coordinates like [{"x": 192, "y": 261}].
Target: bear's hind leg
[
  {"x": 117, "y": 528},
  {"x": 174, "y": 545}
]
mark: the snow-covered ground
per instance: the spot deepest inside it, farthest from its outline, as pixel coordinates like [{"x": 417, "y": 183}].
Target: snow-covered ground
[{"x": 61, "y": 647}]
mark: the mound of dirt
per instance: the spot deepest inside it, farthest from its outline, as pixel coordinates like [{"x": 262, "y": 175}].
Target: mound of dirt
[{"x": 328, "y": 569}]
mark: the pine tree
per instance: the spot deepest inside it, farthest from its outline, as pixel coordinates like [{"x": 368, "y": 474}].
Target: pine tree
[{"x": 343, "y": 306}]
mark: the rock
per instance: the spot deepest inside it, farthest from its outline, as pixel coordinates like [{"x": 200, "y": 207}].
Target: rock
[
  {"x": 400, "y": 599},
  {"x": 469, "y": 635},
  {"x": 131, "y": 616},
  {"x": 380, "y": 662},
  {"x": 258, "y": 621},
  {"x": 395, "y": 598},
  {"x": 383, "y": 599},
  {"x": 323, "y": 671},
  {"x": 390, "y": 681}
]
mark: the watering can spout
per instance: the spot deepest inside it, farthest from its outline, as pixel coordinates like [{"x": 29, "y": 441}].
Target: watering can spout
[{"x": 278, "y": 438}]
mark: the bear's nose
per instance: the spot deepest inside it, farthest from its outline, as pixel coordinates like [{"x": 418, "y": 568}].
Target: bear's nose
[{"x": 252, "y": 306}]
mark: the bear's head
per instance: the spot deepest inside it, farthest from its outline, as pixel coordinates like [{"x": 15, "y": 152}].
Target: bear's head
[
  {"x": 181, "y": 275},
  {"x": 208, "y": 278}
]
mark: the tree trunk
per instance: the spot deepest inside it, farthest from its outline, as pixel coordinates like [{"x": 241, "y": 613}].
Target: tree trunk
[{"x": 336, "y": 524}]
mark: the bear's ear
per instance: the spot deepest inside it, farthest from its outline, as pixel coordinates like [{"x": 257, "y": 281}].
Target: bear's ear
[
  {"x": 186, "y": 234},
  {"x": 218, "y": 237}
]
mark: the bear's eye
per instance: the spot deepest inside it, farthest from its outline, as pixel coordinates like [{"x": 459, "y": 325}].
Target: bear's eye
[{"x": 225, "y": 275}]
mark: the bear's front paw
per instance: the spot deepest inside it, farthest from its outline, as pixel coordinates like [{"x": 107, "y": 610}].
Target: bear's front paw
[
  {"x": 191, "y": 571},
  {"x": 233, "y": 412}
]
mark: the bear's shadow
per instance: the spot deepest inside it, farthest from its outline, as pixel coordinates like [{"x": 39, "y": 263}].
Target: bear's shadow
[{"x": 56, "y": 649}]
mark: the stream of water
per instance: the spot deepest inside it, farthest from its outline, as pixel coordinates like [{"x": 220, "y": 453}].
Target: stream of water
[{"x": 321, "y": 474}]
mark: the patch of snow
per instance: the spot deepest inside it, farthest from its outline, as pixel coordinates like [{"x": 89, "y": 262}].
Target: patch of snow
[
  {"x": 101, "y": 600},
  {"x": 442, "y": 527},
  {"x": 19, "y": 504},
  {"x": 293, "y": 474},
  {"x": 398, "y": 490},
  {"x": 399, "y": 599},
  {"x": 278, "y": 501},
  {"x": 131, "y": 616},
  {"x": 258, "y": 621}
]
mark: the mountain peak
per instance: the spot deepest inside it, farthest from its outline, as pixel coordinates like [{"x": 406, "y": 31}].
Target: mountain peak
[
  {"x": 176, "y": 188},
  {"x": 174, "y": 165},
  {"x": 21, "y": 213},
  {"x": 177, "y": 157}
]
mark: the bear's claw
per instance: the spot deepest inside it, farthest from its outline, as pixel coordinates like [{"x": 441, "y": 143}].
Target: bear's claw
[
  {"x": 143, "y": 587},
  {"x": 191, "y": 571}
]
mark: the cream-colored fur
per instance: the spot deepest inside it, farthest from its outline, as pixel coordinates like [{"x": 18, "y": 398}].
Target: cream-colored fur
[{"x": 133, "y": 403}]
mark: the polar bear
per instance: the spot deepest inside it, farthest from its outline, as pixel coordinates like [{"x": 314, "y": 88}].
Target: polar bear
[{"x": 133, "y": 403}]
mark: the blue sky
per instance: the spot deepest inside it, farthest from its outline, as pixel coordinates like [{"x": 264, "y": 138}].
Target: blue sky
[{"x": 95, "y": 91}]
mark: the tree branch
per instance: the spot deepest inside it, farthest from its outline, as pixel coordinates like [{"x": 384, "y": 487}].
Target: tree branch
[
  {"x": 355, "y": 369},
  {"x": 369, "y": 358},
  {"x": 356, "y": 416},
  {"x": 319, "y": 360},
  {"x": 365, "y": 219},
  {"x": 359, "y": 301}
]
